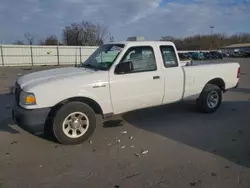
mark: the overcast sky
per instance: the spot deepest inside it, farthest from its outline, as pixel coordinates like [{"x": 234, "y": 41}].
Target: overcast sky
[{"x": 149, "y": 18}]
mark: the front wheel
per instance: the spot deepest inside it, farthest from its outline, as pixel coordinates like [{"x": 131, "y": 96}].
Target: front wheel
[
  {"x": 210, "y": 99},
  {"x": 73, "y": 123}
]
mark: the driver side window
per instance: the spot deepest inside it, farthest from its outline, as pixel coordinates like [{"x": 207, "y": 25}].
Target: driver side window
[{"x": 142, "y": 57}]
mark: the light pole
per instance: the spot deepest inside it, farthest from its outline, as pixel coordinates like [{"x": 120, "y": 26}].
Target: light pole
[
  {"x": 1, "y": 37},
  {"x": 211, "y": 27}
]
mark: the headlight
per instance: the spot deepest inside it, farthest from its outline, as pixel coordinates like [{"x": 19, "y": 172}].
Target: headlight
[{"x": 27, "y": 98}]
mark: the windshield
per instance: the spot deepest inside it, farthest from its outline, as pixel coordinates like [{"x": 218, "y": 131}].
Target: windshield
[{"x": 103, "y": 57}]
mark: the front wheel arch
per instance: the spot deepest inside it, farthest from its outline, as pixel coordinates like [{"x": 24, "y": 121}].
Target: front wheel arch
[
  {"x": 90, "y": 102},
  {"x": 69, "y": 133}
]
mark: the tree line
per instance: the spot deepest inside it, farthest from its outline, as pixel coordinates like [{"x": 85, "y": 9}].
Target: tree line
[
  {"x": 94, "y": 34},
  {"x": 77, "y": 34},
  {"x": 208, "y": 42}
]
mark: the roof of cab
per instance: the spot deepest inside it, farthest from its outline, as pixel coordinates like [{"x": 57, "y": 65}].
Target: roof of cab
[{"x": 142, "y": 42}]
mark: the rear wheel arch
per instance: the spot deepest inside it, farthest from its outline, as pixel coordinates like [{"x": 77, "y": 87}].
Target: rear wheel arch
[{"x": 218, "y": 82}]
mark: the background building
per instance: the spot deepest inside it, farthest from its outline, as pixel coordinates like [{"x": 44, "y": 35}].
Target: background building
[{"x": 236, "y": 48}]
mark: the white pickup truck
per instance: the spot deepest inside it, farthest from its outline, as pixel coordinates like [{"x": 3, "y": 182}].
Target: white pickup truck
[{"x": 118, "y": 77}]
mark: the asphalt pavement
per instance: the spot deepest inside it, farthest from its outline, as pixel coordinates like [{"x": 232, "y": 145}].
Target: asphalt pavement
[{"x": 169, "y": 146}]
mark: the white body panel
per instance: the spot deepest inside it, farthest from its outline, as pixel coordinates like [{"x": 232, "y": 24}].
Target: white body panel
[
  {"x": 53, "y": 86},
  {"x": 136, "y": 90},
  {"x": 174, "y": 85},
  {"x": 184, "y": 63},
  {"x": 196, "y": 77},
  {"x": 126, "y": 92}
]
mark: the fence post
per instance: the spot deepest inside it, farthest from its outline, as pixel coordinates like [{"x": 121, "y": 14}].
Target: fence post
[
  {"x": 75, "y": 57},
  {"x": 80, "y": 55},
  {"x": 58, "y": 59},
  {"x": 2, "y": 55},
  {"x": 31, "y": 55}
]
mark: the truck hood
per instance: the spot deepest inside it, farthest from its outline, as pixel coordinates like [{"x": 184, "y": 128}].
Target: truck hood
[{"x": 52, "y": 74}]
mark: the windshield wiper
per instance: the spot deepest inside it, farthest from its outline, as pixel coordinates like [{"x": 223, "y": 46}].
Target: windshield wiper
[{"x": 89, "y": 66}]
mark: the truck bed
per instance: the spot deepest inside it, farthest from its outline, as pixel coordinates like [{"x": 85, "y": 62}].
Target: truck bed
[
  {"x": 196, "y": 63},
  {"x": 198, "y": 75}
]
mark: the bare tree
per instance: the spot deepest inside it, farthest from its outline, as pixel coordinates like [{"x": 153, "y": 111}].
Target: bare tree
[
  {"x": 66, "y": 34},
  {"x": 30, "y": 38},
  {"x": 84, "y": 34},
  {"x": 50, "y": 40},
  {"x": 101, "y": 32},
  {"x": 71, "y": 34},
  {"x": 18, "y": 42}
]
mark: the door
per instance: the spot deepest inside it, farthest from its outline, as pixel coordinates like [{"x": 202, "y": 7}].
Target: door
[
  {"x": 174, "y": 75},
  {"x": 142, "y": 87}
]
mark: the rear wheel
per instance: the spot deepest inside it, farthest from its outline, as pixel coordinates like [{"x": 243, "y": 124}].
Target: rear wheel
[
  {"x": 74, "y": 122},
  {"x": 210, "y": 99}
]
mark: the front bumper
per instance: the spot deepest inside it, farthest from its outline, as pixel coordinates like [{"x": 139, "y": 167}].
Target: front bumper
[{"x": 30, "y": 120}]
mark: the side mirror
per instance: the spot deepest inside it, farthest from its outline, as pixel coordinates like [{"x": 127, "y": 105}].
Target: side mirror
[{"x": 124, "y": 67}]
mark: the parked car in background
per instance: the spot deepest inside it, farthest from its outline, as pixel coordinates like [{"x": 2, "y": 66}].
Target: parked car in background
[
  {"x": 225, "y": 54},
  {"x": 236, "y": 54},
  {"x": 198, "y": 56},
  {"x": 216, "y": 55},
  {"x": 190, "y": 55},
  {"x": 245, "y": 54},
  {"x": 184, "y": 59},
  {"x": 207, "y": 55},
  {"x": 184, "y": 56}
]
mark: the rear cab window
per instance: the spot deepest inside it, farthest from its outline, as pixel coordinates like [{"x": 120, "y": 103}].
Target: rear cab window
[{"x": 169, "y": 56}]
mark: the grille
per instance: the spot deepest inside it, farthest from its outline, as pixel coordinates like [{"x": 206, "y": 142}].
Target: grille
[{"x": 17, "y": 93}]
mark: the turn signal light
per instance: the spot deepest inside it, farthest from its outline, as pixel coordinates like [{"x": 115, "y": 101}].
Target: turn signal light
[{"x": 30, "y": 99}]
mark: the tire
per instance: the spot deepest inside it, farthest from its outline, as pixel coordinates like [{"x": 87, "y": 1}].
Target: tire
[
  {"x": 74, "y": 112},
  {"x": 204, "y": 102}
]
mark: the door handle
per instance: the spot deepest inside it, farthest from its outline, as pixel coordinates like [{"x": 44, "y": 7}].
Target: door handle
[{"x": 156, "y": 77}]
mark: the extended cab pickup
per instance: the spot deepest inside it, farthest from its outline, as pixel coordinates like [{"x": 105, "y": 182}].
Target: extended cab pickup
[{"x": 118, "y": 77}]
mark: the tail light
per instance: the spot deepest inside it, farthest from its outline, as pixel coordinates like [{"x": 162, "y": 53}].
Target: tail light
[{"x": 238, "y": 73}]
